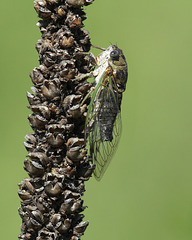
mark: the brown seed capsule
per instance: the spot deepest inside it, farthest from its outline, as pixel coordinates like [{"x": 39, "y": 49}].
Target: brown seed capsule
[
  {"x": 83, "y": 89},
  {"x": 26, "y": 185},
  {"x": 39, "y": 157},
  {"x": 76, "y": 153},
  {"x": 66, "y": 206},
  {"x": 50, "y": 89},
  {"x": 61, "y": 11},
  {"x": 53, "y": 190},
  {"x": 36, "y": 76},
  {"x": 34, "y": 168},
  {"x": 56, "y": 128},
  {"x": 53, "y": 1},
  {"x": 38, "y": 216},
  {"x": 76, "y": 3},
  {"x": 30, "y": 138},
  {"x": 74, "y": 21},
  {"x": 80, "y": 228},
  {"x": 67, "y": 42},
  {"x": 29, "y": 147},
  {"x": 55, "y": 141},
  {"x": 71, "y": 100},
  {"x": 72, "y": 142},
  {"x": 75, "y": 238},
  {"x": 43, "y": 110},
  {"x": 37, "y": 121},
  {"x": 76, "y": 111},
  {"x": 63, "y": 227},
  {"x": 87, "y": 171},
  {"x": 55, "y": 219},
  {"x": 76, "y": 205},
  {"x": 24, "y": 195},
  {"x": 69, "y": 194},
  {"x": 49, "y": 58},
  {"x": 32, "y": 99}
]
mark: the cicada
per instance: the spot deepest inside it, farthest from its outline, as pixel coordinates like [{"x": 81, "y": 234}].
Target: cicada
[{"x": 103, "y": 121}]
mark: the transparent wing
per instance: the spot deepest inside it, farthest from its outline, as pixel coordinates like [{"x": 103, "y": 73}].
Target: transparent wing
[{"x": 103, "y": 127}]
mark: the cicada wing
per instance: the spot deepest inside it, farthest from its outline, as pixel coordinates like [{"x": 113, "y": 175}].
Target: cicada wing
[
  {"x": 103, "y": 128},
  {"x": 102, "y": 152}
]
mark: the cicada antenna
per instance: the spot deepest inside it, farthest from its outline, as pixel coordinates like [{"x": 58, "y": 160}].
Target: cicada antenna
[{"x": 103, "y": 49}]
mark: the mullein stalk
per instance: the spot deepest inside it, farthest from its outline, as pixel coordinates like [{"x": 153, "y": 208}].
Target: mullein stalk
[{"x": 57, "y": 163}]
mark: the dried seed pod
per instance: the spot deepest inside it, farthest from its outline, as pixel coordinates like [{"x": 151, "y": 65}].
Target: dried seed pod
[
  {"x": 56, "y": 128},
  {"x": 37, "y": 121},
  {"x": 38, "y": 216},
  {"x": 55, "y": 218},
  {"x": 71, "y": 100},
  {"x": 29, "y": 147},
  {"x": 67, "y": 42},
  {"x": 43, "y": 45},
  {"x": 43, "y": 110},
  {"x": 55, "y": 140},
  {"x": 76, "y": 153},
  {"x": 40, "y": 7},
  {"x": 32, "y": 99},
  {"x": 75, "y": 238},
  {"x": 49, "y": 58},
  {"x": 74, "y": 20},
  {"x": 87, "y": 171},
  {"x": 76, "y": 3},
  {"x": 72, "y": 142},
  {"x": 26, "y": 185},
  {"x": 53, "y": 1},
  {"x": 53, "y": 190},
  {"x": 83, "y": 89},
  {"x": 34, "y": 168},
  {"x": 76, "y": 111},
  {"x": 69, "y": 194},
  {"x": 39, "y": 157},
  {"x": 63, "y": 227},
  {"x": 76, "y": 206},
  {"x": 24, "y": 195},
  {"x": 31, "y": 138},
  {"x": 80, "y": 228},
  {"x": 69, "y": 128},
  {"x": 61, "y": 11},
  {"x": 66, "y": 206},
  {"x": 36, "y": 76},
  {"x": 50, "y": 89},
  {"x": 45, "y": 234}
]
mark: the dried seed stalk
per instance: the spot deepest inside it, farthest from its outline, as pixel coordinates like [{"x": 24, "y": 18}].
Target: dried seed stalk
[{"x": 57, "y": 165}]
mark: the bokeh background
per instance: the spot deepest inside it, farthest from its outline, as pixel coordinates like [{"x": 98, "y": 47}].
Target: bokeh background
[{"x": 146, "y": 192}]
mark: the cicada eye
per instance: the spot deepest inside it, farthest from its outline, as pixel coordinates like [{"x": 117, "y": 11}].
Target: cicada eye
[{"x": 114, "y": 55}]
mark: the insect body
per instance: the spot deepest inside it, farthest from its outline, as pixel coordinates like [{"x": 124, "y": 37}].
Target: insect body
[{"x": 103, "y": 122}]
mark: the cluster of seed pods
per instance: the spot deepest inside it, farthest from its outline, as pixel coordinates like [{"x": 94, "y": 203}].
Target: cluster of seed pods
[{"x": 57, "y": 165}]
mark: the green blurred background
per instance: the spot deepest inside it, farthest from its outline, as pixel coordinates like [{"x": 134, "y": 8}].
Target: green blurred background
[{"x": 146, "y": 192}]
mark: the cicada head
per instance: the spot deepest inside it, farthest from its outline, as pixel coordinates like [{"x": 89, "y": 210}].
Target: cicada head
[{"x": 118, "y": 64}]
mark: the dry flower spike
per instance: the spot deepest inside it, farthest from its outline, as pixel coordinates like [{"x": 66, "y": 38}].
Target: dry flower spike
[{"x": 57, "y": 165}]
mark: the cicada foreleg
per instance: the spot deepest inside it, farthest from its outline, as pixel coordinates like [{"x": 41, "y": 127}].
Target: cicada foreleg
[{"x": 88, "y": 95}]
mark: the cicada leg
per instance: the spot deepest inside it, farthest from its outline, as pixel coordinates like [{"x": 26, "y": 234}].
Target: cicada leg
[
  {"x": 88, "y": 94},
  {"x": 103, "y": 49},
  {"x": 83, "y": 76}
]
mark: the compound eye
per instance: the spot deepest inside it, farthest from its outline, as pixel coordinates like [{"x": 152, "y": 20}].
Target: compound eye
[{"x": 114, "y": 55}]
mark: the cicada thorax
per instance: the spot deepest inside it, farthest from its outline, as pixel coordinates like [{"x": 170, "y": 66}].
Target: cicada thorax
[{"x": 118, "y": 64}]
